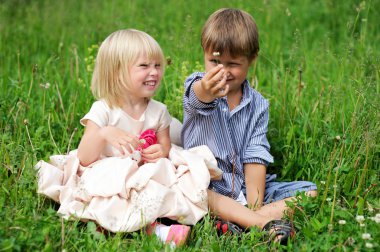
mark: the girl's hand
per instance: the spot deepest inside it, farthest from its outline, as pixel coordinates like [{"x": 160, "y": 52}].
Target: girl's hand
[
  {"x": 214, "y": 82},
  {"x": 120, "y": 139},
  {"x": 153, "y": 153}
]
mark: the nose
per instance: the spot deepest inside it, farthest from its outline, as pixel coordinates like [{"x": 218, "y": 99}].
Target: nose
[
  {"x": 153, "y": 71},
  {"x": 228, "y": 73}
]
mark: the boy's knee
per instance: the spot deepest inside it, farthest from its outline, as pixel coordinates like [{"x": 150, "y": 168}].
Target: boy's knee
[{"x": 312, "y": 193}]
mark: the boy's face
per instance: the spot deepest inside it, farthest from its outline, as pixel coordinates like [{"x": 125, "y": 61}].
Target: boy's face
[{"x": 236, "y": 68}]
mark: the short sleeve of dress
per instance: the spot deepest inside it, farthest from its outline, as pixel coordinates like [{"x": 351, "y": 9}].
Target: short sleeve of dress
[
  {"x": 99, "y": 114},
  {"x": 165, "y": 119}
]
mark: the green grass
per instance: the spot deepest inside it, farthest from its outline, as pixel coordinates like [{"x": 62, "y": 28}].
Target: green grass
[{"x": 318, "y": 66}]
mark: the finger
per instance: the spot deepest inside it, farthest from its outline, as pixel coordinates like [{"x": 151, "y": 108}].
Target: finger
[
  {"x": 127, "y": 148},
  {"x": 150, "y": 156},
  {"x": 150, "y": 160},
  {"x": 124, "y": 150},
  {"x": 220, "y": 86},
  {"x": 218, "y": 77},
  {"x": 213, "y": 71},
  {"x": 133, "y": 141},
  {"x": 151, "y": 149},
  {"x": 119, "y": 148}
]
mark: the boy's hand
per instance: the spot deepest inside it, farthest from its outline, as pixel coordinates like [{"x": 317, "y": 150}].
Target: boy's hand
[
  {"x": 153, "y": 153},
  {"x": 120, "y": 139},
  {"x": 212, "y": 85}
]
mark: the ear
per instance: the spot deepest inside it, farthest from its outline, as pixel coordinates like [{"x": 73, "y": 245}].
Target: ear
[{"x": 252, "y": 59}]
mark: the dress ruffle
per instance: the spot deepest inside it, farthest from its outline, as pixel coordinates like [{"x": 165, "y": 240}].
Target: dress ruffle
[{"x": 122, "y": 197}]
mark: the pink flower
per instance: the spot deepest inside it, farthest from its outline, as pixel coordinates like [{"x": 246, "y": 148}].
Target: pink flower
[{"x": 147, "y": 138}]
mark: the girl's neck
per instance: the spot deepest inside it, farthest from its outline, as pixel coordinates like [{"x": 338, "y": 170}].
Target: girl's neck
[{"x": 135, "y": 107}]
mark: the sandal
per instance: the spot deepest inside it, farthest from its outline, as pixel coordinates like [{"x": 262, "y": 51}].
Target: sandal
[
  {"x": 224, "y": 227},
  {"x": 281, "y": 229}
]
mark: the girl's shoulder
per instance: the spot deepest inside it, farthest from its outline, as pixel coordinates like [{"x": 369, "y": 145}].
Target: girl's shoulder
[
  {"x": 156, "y": 105},
  {"x": 101, "y": 104}
]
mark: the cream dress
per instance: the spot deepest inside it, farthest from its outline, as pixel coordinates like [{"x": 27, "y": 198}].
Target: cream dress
[{"x": 119, "y": 195}]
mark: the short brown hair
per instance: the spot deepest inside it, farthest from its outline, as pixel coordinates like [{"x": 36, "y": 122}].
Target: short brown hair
[{"x": 231, "y": 31}]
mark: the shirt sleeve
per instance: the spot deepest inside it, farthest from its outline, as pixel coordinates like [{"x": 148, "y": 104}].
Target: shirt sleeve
[
  {"x": 191, "y": 103},
  {"x": 165, "y": 119},
  {"x": 257, "y": 150},
  {"x": 99, "y": 114}
]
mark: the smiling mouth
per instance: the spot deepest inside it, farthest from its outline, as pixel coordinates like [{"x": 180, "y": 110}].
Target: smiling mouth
[{"x": 150, "y": 83}]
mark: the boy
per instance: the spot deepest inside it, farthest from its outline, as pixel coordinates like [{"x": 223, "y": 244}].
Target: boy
[{"x": 222, "y": 111}]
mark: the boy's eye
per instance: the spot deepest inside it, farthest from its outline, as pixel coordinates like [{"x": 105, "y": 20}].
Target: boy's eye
[
  {"x": 157, "y": 65},
  {"x": 214, "y": 61},
  {"x": 143, "y": 65}
]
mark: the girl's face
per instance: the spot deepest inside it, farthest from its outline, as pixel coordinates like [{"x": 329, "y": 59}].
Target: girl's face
[{"x": 145, "y": 75}]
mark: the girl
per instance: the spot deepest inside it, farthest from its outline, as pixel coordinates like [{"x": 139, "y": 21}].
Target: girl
[{"x": 121, "y": 176}]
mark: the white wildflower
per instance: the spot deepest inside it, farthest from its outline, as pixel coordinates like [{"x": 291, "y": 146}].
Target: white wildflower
[
  {"x": 376, "y": 218},
  {"x": 288, "y": 12},
  {"x": 323, "y": 182},
  {"x": 366, "y": 236},
  {"x": 368, "y": 245},
  {"x": 370, "y": 208},
  {"x": 337, "y": 138},
  {"x": 45, "y": 86},
  {"x": 362, "y": 225},
  {"x": 350, "y": 241},
  {"x": 359, "y": 218},
  {"x": 342, "y": 222},
  {"x": 328, "y": 199}
]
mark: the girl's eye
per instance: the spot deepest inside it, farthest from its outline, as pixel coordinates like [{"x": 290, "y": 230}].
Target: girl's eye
[
  {"x": 157, "y": 65},
  {"x": 144, "y": 65}
]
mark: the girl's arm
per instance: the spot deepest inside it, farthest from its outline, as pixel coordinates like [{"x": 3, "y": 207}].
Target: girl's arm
[
  {"x": 95, "y": 138},
  {"x": 160, "y": 150},
  {"x": 255, "y": 183}
]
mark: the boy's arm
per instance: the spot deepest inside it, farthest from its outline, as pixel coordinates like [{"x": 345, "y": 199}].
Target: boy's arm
[{"x": 255, "y": 183}]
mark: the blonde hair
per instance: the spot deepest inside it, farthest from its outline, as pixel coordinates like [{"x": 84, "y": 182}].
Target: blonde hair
[
  {"x": 111, "y": 78},
  {"x": 231, "y": 31}
]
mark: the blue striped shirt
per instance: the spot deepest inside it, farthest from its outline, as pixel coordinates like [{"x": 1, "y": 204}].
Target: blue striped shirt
[{"x": 234, "y": 137}]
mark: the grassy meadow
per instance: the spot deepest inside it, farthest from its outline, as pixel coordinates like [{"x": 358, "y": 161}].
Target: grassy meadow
[{"x": 319, "y": 66}]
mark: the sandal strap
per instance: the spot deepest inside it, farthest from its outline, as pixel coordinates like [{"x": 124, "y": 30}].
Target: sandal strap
[{"x": 279, "y": 228}]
